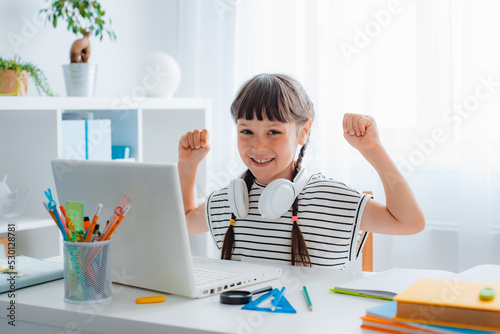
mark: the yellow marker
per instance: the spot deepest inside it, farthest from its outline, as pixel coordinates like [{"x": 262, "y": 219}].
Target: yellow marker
[{"x": 150, "y": 299}]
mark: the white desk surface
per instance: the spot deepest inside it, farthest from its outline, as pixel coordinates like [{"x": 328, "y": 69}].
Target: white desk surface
[{"x": 41, "y": 309}]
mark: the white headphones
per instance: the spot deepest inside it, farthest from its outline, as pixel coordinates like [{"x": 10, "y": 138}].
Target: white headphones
[{"x": 275, "y": 200}]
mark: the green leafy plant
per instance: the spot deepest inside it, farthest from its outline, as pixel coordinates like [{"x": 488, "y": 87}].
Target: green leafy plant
[
  {"x": 37, "y": 74},
  {"x": 83, "y": 17}
]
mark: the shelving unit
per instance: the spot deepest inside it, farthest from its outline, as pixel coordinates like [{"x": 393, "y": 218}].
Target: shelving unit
[{"x": 30, "y": 137}]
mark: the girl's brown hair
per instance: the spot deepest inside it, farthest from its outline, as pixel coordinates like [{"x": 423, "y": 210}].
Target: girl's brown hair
[{"x": 280, "y": 98}]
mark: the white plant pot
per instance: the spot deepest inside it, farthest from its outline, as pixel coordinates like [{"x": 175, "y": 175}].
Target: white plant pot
[{"x": 80, "y": 79}]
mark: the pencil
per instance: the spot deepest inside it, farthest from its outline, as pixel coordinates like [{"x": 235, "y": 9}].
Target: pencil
[{"x": 308, "y": 300}]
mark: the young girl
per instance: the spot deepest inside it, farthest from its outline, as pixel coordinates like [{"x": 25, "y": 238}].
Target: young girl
[{"x": 273, "y": 115}]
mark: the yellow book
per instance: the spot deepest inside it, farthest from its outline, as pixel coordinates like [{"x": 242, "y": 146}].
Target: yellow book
[{"x": 450, "y": 303}]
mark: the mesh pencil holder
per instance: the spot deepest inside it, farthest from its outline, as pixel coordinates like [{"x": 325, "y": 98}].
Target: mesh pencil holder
[{"x": 87, "y": 272}]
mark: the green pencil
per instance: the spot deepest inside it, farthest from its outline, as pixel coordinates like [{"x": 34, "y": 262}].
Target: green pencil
[{"x": 308, "y": 300}]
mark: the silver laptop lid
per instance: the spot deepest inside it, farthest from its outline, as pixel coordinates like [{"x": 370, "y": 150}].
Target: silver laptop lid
[{"x": 150, "y": 249}]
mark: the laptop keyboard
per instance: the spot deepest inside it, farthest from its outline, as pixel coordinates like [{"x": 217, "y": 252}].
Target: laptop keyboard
[{"x": 203, "y": 276}]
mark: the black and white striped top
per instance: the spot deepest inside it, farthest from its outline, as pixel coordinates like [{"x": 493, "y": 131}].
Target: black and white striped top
[{"x": 329, "y": 216}]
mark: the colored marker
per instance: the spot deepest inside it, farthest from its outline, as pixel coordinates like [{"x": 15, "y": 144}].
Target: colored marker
[
  {"x": 86, "y": 223},
  {"x": 95, "y": 233},
  {"x": 90, "y": 233}
]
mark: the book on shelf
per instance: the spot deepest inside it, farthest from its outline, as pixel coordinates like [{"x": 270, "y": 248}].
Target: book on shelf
[
  {"x": 451, "y": 303},
  {"x": 389, "y": 283},
  {"x": 27, "y": 271}
]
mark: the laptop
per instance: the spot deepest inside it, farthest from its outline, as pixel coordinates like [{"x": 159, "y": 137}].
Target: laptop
[{"x": 150, "y": 248}]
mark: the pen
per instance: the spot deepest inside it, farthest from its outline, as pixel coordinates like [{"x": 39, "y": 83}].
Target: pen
[
  {"x": 63, "y": 215},
  {"x": 70, "y": 227},
  {"x": 90, "y": 233},
  {"x": 308, "y": 300},
  {"x": 67, "y": 224},
  {"x": 275, "y": 302},
  {"x": 119, "y": 210},
  {"x": 53, "y": 207},
  {"x": 53, "y": 216},
  {"x": 118, "y": 221},
  {"x": 94, "y": 234}
]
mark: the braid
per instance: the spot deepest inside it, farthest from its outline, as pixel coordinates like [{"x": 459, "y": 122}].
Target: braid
[
  {"x": 299, "y": 252},
  {"x": 228, "y": 243}
]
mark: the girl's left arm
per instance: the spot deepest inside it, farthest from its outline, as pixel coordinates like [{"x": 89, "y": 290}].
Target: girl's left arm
[{"x": 401, "y": 215}]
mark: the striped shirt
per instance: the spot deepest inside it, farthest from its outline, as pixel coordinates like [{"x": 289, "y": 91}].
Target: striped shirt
[{"x": 329, "y": 216}]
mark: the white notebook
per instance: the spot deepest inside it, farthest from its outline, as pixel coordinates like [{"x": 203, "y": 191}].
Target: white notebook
[{"x": 389, "y": 283}]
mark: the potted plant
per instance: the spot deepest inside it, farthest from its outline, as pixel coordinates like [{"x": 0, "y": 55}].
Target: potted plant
[
  {"x": 14, "y": 77},
  {"x": 85, "y": 19}
]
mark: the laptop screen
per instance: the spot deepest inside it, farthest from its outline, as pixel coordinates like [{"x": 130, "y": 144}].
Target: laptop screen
[{"x": 150, "y": 248}]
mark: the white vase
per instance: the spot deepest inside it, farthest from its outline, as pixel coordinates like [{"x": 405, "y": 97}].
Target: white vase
[
  {"x": 80, "y": 79},
  {"x": 159, "y": 75}
]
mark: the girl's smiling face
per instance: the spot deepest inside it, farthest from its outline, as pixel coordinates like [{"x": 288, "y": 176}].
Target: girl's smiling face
[{"x": 268, "y": 148}]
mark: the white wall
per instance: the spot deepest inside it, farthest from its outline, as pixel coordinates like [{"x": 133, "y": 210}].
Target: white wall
[{"x": 141, "y": 27}]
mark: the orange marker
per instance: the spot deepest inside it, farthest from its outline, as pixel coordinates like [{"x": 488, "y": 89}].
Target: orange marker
[
  {"x": 86, "y": 223},
  {"x": 63, "y": 211},
  {"x": 94, "y": 222}
]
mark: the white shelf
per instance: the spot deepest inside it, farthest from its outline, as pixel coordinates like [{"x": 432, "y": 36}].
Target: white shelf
[
  {"x": 25, "y": 223},
  {"x": 107, "y": 103},
  {"x": 31, "y": 136}
]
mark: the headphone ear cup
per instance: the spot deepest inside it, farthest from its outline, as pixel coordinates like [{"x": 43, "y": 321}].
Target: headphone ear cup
[
  {"x": 237, "y": 195},
  {"x": 276, "y": 199}
]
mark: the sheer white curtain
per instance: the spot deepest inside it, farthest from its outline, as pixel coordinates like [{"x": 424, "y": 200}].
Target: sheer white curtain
[{"x": 427, "y": 70}]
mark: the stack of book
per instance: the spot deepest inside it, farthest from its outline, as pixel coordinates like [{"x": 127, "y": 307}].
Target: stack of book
[
  {"x": 439, "y": 306},
  {"x": 24, "y": 271}
]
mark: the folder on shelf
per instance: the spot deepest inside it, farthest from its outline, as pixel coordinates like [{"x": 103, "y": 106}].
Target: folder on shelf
[
  {"x": 74, "y": 144},
  {"x": 99, "y": 139},
  {"x": 28, "y": 271},
  {"x": 86, "y": 139}
]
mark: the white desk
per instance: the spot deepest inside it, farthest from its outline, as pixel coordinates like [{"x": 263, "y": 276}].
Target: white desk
[{"x": 41, "y": 309}]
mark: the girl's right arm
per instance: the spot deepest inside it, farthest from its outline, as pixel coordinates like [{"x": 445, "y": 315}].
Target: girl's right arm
[{"x": 193, "y": 147}]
